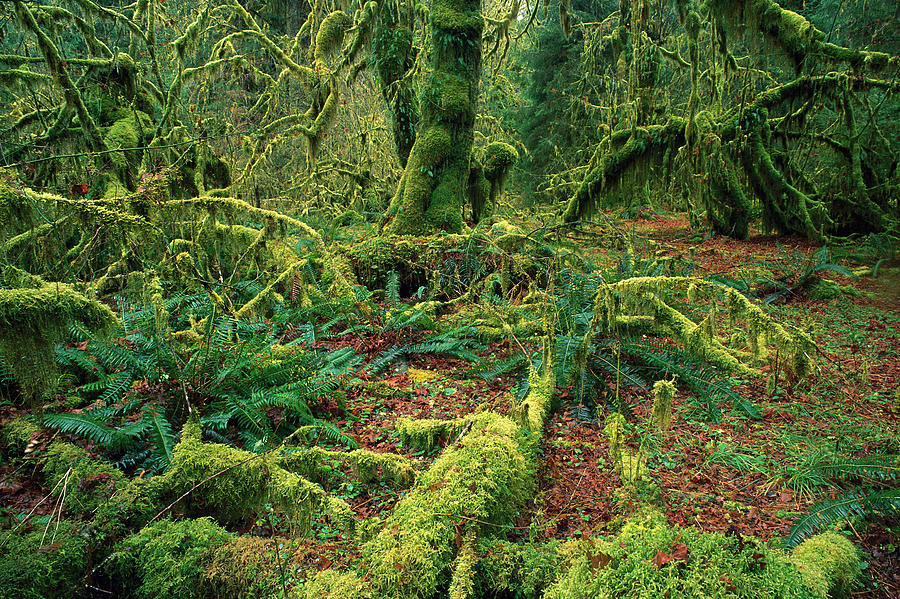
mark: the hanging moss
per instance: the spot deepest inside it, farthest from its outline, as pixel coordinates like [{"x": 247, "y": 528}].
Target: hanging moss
[
  {"x": 331, "y": 34},
  {"x": 392, "y": 50},
  {"x": 498, "y": 159},
  {"x": 655, "y": 138},
  {"x": 33, "y": 319}
]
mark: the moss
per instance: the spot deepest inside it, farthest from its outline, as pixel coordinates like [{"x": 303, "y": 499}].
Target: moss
[
  {"x": 462, "y": 583},
  {"x": 167, "y": 558},
  {"x": 241, "y": 485},
  {"x": 369, "y": 466},
  {"x": 331, "y": 33},
  {"x": 392, "y": 50},
  {"x": 33, "y": 319},
  {"x": 498, "y": 157},
  {"x": 82, "y": 483},
  {"x": 484, "y": 478},
  {"x": 693, "y": 565},
  {"x": 245, "y": 567},
  {"x": 17, "y": 433},
  {"x": 829, "y": 564},
  {"x": 663, "y": 394},
  {"x": 50, "y": 561},
  {"x": 332, "y": 584},
  {"x": 433, "y": 190},
  {"x": 422, "y": 433},
  {"x": 125, "y": 135},
  {"x": 521, "y": 569}
]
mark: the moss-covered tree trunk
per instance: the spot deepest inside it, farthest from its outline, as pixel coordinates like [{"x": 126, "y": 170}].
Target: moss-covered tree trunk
[{"x": 434, "y": 185}]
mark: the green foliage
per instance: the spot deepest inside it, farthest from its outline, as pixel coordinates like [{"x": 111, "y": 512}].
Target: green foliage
[
  {"x": 47, "y": 561},
  {"x": 866, "y": 496},
  {"x": 240, "y": 373},
  {"x": 649, "y": 559},
  {"x": 167, "y": 558}
]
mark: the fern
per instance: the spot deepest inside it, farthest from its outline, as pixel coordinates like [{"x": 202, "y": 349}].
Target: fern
[
  {"x": 850, "y": 504},
  {"x": 83, "y": 425},
  {"x": 702, "y": 379},
  {"x": 162, "y": 439}
]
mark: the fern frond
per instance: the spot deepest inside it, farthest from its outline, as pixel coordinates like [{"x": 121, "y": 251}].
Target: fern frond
[
  {"x": 86, "y": 427},
  {"x": 850, "y": 504},
  {"x": 162, "y": 438}
]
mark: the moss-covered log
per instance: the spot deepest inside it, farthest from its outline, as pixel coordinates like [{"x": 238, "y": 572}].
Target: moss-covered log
[{"x": 426, "y": 546}]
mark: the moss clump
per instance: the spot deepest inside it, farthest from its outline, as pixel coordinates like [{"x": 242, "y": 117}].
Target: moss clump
[
  {"x": 829, "y": 564},
  {"x": 498, "y": 157},
  {"x": 17, "y": 434},
  {"x": 167, "y": 558},
  {"x": 237, "y": 485},
  {"x": 523, "y": 570},
  {"x": 421, "y": 434},
  {"x": 650, "y": 560},
  {"x": 84, "y": 483},
  {"x": 331, "y": 584},
  {"x": 246, "y": 567},
  {"x": 40, "y": 564},
  {"x": 331, "y": 34}
]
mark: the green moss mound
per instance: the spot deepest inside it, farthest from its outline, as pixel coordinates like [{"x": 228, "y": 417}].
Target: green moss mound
[
  {"x": 650, "y": 560},
  {"x": 82, "y": 483},
  {"x": 167, "y": 558},
  {"x": 43, "y": 563},
  {"x": 829, "y": 564}
]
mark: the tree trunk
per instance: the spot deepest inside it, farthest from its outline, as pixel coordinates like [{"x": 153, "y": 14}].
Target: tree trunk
[{"x": 434, "y": 186}]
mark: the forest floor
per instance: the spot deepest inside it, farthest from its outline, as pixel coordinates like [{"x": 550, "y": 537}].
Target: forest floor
[{"x": 739, "y": 475}]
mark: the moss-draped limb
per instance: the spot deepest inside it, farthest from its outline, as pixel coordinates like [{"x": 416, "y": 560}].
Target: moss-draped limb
[
  {"x": 59, "y": 71},
  {"x": 613, "y": 164},
  {"x": 434, "y": 186},
  {"x": 335, "y": 266},
  {"x": 791, "y": 32},
  {"x": 392, "y": 50},
  {"x": 785, "y": 207},
  {"x": 647, "y": 296},
  {"x": 310, "y": 462}
]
